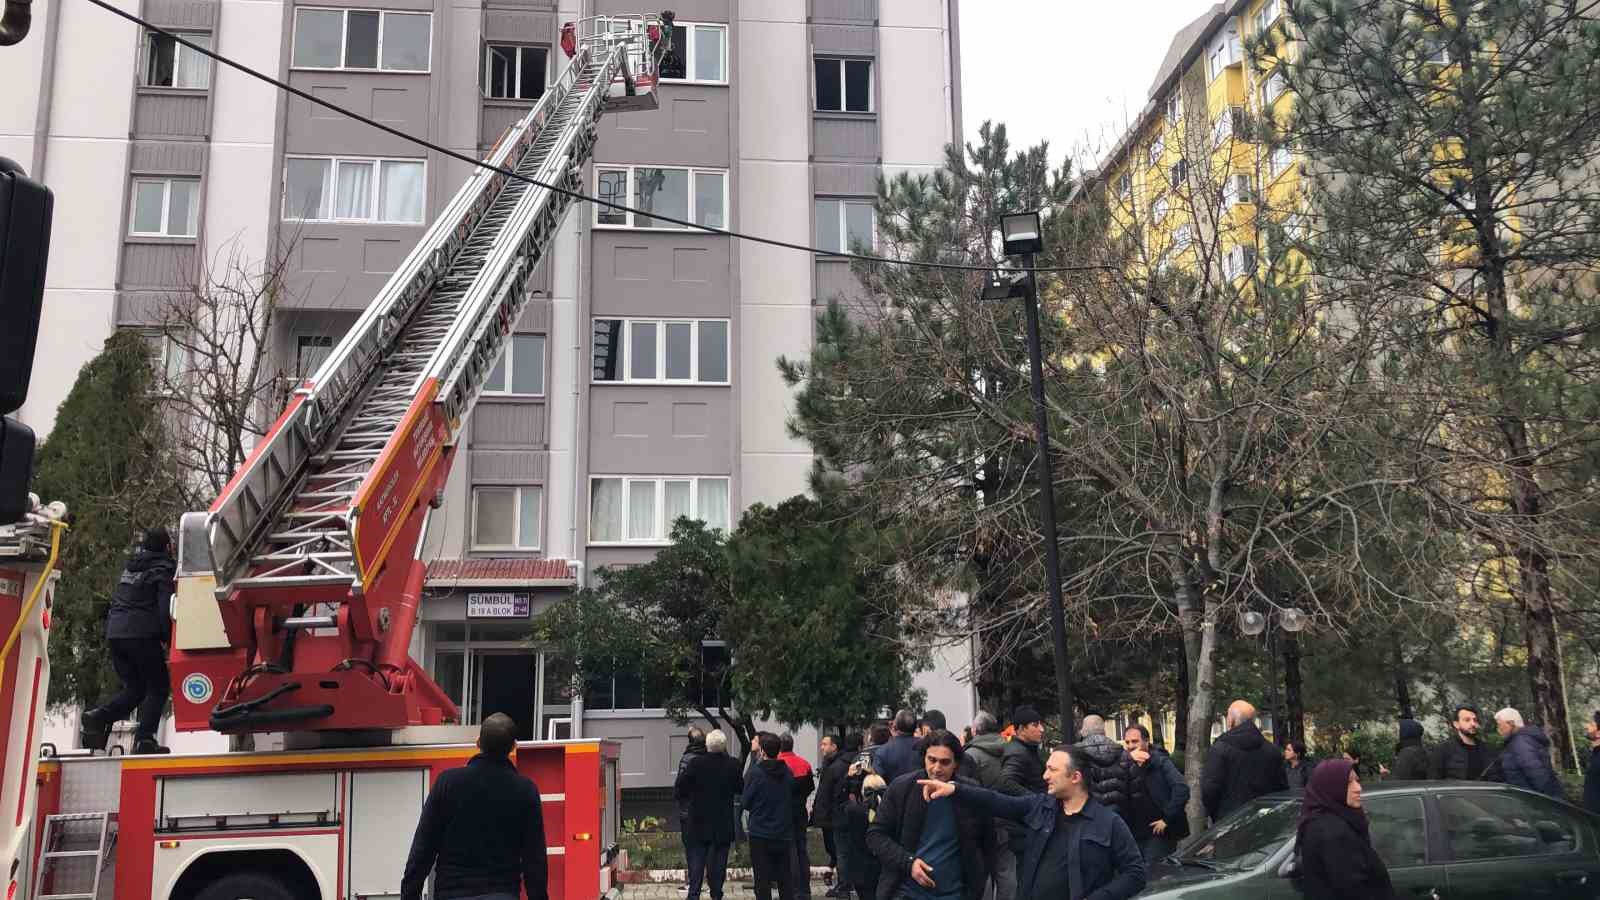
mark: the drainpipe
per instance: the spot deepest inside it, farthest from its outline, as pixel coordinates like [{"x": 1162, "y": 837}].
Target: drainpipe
[{"x": 16, "y": 21}]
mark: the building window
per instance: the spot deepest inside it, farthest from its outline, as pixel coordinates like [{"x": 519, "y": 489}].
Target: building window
[
  {"x": 165, "y": 207},
  {"x": 661, "y": 351},
  {"x": 1436, "y": 50},
  {"x": 844, "y": 85},
  {"x": 699, "y": 54},
  {"x": 1296, "y": 227},
  {"x": 1158, "y": 209},
  {"x": 1270, "y": 10},
  {"x": 1272, "y": 88},
  {"x": 362, "y": 39},
  {"x": 1238, "y": 189},
  {"x": 311, "y": 351},
  {"x": 506, "y": 518},
  {"x": 628, "y": 510},
  {"x": 1227, "y": 124},
  {"x": 844, "y": 225},
  {"x": 1157, "y": 147},
  {"x": 514, "y": 73},
  {"x": 171, "y": 64},
  {"x": 714, "y": 661},
  {"x": 1279, "y": 161},
  {"x": 1224, "y": 53},
  {"x": 622, "y": 691},
  {"x": 1124, "y": 186},
  {"x": 353, "y": 189},
  {"x": 1239, "y": 261},
  {"x": 1178, "y": 173},
  {"x": 1174, "y": 108},
  {"x": 520, "y": 369},
  {"x": 693, "y": 195},
  {"x": 167, "y": 356},
  {"x": 1182, "y": 237}
]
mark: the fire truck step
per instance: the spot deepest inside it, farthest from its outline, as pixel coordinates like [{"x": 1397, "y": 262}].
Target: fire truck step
[{"x": 64, "y": 881}]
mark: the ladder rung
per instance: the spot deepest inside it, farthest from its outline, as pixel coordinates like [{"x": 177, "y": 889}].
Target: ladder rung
[
  {"x": 296, "y": 623},
  {"x": 64, "y": 854}
]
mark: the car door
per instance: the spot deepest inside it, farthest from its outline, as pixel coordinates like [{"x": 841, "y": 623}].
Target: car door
[
  {"x": 1510, "y": 843},
  {"x": 1399, "y": 831}
]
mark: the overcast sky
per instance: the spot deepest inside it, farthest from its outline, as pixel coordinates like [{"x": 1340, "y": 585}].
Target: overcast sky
[{"x": 1070, "y": 71}]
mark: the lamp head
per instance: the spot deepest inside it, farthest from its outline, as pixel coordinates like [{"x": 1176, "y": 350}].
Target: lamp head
[{"x": 1021, "y": 233}]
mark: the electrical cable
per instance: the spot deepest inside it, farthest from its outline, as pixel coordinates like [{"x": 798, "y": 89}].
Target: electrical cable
[{"x": 575, "y": 195}]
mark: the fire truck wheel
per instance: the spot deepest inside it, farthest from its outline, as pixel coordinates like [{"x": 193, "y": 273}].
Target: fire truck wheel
[{"x": 248, "y": 886}]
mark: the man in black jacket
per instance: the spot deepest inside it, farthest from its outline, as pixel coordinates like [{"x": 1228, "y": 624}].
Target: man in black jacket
[
  {"x": 1159, "y": 827},
  {"x": 1461, "y": 756},
  {"x": 930, "y": 850},
  {"x": 1241, "y": 766},
  {"x": 1075, "y": 849},
  {"x": 769, "y": 803},
  {"x": 138, "y": 625},
  {"x": 899, "y": 755},
  {"x": 1022, "y": 767},
  {"x": 705, "y": 790},
  {"x": 1113, "y": 779},
  {"x": 835, "y": 766},
  {"x": 1410, "y": 757},
  {"x": 482, "y": 829}
]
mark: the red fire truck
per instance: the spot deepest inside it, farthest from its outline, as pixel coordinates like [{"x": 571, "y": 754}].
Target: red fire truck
[{"x": 297, "y": 592}]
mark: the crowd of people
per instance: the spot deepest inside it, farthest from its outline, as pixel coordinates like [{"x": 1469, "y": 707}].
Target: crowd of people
[{"x": 912, "y": 811}]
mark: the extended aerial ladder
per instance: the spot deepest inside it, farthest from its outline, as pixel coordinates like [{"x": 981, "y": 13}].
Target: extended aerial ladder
[{"x": 299, "y": 588}]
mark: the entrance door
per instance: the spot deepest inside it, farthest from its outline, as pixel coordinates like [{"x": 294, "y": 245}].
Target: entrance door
[{"x": 505, "y": 683}]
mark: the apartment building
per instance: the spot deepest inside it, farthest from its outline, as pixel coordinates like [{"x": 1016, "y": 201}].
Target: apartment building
[
  {"x": 639, "y": 387},
  {"x": 1188, "y": 177}
]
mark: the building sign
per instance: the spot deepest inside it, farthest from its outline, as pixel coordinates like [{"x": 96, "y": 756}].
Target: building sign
[{"x": 498, "y": 606}]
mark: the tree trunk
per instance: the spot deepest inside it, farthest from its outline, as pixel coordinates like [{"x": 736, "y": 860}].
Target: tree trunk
[
  {"x": 1180, "y": 722},
  {"x": 1294, "y": 710},
  {"x": 1402, "y": 688},
  {"x": 1201, "y": 702},
  {"x": 1546, "y": 677},
  {"x": 1157, "y": 717}
]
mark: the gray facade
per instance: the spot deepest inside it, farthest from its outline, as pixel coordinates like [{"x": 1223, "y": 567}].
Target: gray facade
[{"x": 559, "y": 471}]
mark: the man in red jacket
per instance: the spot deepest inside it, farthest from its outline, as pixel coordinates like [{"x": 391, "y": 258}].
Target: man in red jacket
[{"x": 804, "y": 783}]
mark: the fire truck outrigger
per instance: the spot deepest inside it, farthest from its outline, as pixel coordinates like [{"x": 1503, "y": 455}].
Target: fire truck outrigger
[{"x": 298, "y": 591}]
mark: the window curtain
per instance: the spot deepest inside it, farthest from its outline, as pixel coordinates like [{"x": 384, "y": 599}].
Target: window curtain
[
  {"x": 402, "y": 192},
  {"x": 605, "y": 510},
  {"x": 642, "y": 511},
  {"x": 714, "y": 502}
]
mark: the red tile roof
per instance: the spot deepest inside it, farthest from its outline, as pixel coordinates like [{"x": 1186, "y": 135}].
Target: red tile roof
[{"x": 514, "y": 572}]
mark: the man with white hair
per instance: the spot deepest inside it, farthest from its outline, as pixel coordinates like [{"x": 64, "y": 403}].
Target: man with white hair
[
  {"x": 1241, "y": 766},
  {"x": 706, "y": 788},
  {"x": 1525, "y": 761}
]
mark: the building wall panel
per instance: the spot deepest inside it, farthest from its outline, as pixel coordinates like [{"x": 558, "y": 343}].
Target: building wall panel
[
  {"x": 660, "y": 430},
  {"x": 197, "y": 15},
  {"x": 638, "y": 273},
  {"x": 159, "y": 113},
  {"x": 845, "y": 137},
  {"x": 167, "y": 158},
  {"x": 508, "y": 424},
  {"x": 844, "y": 10},
  {"x": 510, "y": 466},
  {"x": 165, "y": 264}
]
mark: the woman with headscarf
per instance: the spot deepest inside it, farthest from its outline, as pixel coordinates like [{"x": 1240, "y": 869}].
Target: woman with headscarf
[{"x": 1337, "y": 861}]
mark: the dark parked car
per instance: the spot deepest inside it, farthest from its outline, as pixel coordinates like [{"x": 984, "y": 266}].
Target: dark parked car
[{"x": 1442, "y": 840}]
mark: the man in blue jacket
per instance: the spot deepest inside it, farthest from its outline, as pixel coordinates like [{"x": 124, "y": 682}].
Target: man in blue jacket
[
  {"x": 769, "y": 801},
  {"x": 1076, "y": 848},
  {"x": 1525, "y": 761},
  {"x": 899, "y": 756}
]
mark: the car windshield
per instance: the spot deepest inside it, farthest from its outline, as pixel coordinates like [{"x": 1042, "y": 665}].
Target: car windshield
[{"x": 1248, "y": 836}]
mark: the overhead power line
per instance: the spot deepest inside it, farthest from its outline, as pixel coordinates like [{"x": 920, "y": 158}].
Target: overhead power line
[{"x": 575, "y": 195}]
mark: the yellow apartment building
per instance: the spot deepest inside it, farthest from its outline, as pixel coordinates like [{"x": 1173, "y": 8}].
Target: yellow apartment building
[{"x": 1188, "y": 181}]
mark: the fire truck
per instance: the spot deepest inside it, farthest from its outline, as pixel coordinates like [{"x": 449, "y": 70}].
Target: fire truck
[{"x": 298, "y": 590}]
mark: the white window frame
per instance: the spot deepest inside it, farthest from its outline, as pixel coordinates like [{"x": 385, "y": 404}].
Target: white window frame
[
  {"x": 166, "y": 207},
  {"x": 694, "y": 205},
  {"x": 333, "y": 189},
  {"x": 1438, "y": 53},
  {"x": 1272, "y": 87},
  {"x": 1238, "y": 190},
  {"x": 1238, "y": 261},
  {"x": 170, "y": 358},
  {"x": 516, "y": 78},
  {"x": 625, "y": 361},
  {"x": 508, "y": 357},
  {"x": 1269, "y": 14},
  {"x": 1279, "y": 160},
  {"x": 691, "y": 53},
  {"x": 1175, "y": 107},
  {"x": 1157, "y": 148},
  {"x": 1124, "y": 186},
  {"x": 1222, "y": 129},
  {"x": 1182, "y": 237},
  {"x": 344, "y": 35},
  {"x": 1159, "y": 208},
  {"x": 844, "y": 92},
  {"x": 178, "y": 50},
  {"x": 843, "y": 204},
  {"x": 516, "y": 516},
  {"x": 1223, "y": 53},
  {"x": 664, "y": 528}
]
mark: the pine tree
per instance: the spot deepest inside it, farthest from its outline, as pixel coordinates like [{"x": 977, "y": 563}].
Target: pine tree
[
  {"x": 107, "y": 459},
  {"x": 1458, "y": 209}
]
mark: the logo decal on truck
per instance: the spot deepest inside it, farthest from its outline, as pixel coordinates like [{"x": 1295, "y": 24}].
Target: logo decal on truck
[{"x": 196, "y": 688}]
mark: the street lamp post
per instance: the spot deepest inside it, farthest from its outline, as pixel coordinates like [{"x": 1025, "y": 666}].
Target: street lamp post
[
  {"x": 1022, "y": 236},
  {"x": 1291, "y": 619}
]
